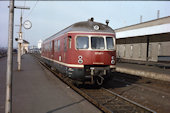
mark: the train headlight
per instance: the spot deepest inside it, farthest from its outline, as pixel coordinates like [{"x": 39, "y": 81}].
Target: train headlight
[
  {"x": 80, "y": 61},
  {"x": 80, "y": 57},
  {"x": 96, "y": 27},
  {"x": 112, "y": 61}
]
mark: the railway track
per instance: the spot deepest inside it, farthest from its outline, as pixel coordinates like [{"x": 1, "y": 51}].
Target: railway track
[
  {"x": 115, "y": 102},
  {"x": 141, "y": 86},
  {"x": 104, "y": 99}
]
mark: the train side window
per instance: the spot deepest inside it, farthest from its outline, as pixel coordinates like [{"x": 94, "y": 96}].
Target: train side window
[
  {"x": 45, "y": 47},
  {"x": 51, "y": 46},
  {"x": 69, "y": 39},
  {"x": 55, "y": 46},
  {"x": 58, "y": 48},
  {"x": 48, "y": 47},
  {"x": 65, "y": 44}
]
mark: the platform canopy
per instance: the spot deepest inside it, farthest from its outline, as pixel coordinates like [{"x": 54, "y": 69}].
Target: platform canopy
[
  {"x": 158, "y": 29},
  {"x": 152, "y": 27}
]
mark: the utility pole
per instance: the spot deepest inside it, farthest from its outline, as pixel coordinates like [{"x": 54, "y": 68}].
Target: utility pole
[
  {"x": 8, "y": 101},
  {"x": 20, "y": 40}
]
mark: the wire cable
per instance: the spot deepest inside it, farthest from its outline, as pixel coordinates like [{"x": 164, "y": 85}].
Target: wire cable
[
  {"x": 31, "y": 10},
  {"x": 24, "y": 6}
]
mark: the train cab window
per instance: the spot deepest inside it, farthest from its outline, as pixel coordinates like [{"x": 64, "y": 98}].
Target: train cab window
[
  {"x": 82, "y": 42},
  {"x": 97, "y": 43},
  {"x": 110, "y": 43}
]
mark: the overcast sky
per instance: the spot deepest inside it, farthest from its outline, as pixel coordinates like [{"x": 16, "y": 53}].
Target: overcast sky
[{"x": 49, "y": 17}]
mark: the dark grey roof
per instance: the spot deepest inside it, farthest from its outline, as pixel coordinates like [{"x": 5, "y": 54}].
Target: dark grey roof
[
  {"x": 159, "y": 21},
  {"x": 24, "y": 41},
  {"x": 85, "y": 26}
]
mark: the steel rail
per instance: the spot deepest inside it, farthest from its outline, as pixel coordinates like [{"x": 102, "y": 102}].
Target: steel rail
[
  {"x": 86, "y": 96},
  {"x": 142, "y": 86},
  {"x": 130, "y": 101},
  {"x": 91, "y": 100}
]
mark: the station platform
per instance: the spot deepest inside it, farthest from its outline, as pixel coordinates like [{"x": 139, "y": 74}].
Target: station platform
[
  {"x": 36, "y": 90},
  {"x": 160, "y": 71}
]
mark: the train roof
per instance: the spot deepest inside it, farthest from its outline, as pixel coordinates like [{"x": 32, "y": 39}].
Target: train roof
[{"x": 84, "y": 26}]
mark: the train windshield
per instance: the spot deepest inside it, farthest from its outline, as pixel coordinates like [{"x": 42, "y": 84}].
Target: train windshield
[
  {"x": 82, "y": 42},
  {"x": 110, "y": 44},
  {"x": 97, "y": 42}
]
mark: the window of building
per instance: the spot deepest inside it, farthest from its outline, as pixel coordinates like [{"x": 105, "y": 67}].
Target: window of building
[
  {"x": 159, "y": 49},
  {"x": 140, "y": 50},
  {"x": 124, "y": 51},
  {"x": 131, "y": 51}
]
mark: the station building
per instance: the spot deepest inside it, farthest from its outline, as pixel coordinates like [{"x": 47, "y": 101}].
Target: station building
[
  {"x": 39, "y": 44},
  {"x": 147, "y": 41},
  {"x": 24, "y": 47}
]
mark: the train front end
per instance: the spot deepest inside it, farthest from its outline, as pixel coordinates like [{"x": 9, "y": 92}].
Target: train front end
[{"x": 95, "y": 54}]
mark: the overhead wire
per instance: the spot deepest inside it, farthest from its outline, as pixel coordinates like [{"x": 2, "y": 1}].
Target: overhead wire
[
  {"x": 31, "y": 10},
  {"x": 24, "y": 6}
]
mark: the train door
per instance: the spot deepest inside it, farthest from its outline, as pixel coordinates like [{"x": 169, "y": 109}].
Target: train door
[
  {"x": 52, "y": 49},
  {"x": 65, "y": 48}
]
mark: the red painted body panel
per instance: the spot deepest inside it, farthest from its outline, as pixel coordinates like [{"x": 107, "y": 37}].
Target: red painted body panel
[
  {"x": 70, "y": 56},
  {"x": 95, "y": 64}
]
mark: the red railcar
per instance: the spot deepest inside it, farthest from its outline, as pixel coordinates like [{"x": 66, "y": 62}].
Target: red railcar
[{"x": 84, "y": 51}]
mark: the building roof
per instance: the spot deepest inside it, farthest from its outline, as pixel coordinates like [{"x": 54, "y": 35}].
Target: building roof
[
  {"x": 158, "y": 26},
  {"x": 24, "y": 41},
  {"x": 155, "y": 22}
]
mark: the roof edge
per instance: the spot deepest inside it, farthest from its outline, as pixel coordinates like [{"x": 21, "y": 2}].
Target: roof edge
[{"x": 142, "y": 23}]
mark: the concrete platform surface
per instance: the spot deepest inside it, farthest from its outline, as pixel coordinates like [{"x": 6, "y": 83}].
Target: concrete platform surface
[
  {"x": 144, "y": 70},
  {"x": 36, "y": 90}
]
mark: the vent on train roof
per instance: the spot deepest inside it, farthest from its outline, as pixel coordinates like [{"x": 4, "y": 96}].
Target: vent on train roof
[
  {"x": 91, "y": 19},
  {"x": 107, "y": 22}
]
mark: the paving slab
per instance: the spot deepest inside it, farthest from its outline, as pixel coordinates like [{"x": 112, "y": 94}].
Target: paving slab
[
  {"x": 36, "y": 90},
  {"x": 3, "y": 62}
]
